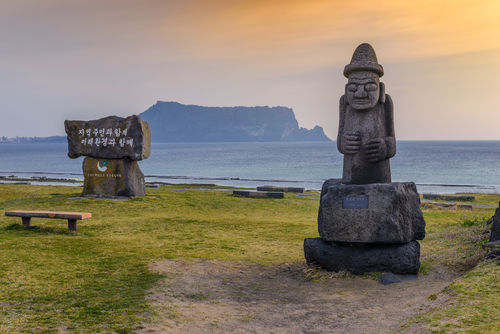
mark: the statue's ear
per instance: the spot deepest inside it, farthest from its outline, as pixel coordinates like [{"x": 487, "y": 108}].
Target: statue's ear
[
  {"x": 381, "y": 98},
  {"x": 343, "y": 100}
]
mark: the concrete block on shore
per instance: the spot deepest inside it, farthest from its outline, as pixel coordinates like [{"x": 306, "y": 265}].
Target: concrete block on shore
[
  {"x": 258, "y": 194},
  {"x": 281, "y": 189},
  {"x": 447, "y": 205},
  {"x": 444, "y": 197}
]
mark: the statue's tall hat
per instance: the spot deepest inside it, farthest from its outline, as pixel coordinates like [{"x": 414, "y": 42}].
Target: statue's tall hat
[{"x": 364, "y": 59}]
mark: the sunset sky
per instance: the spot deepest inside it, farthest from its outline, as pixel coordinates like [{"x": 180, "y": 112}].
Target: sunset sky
[{"x": 72, "y": 59}]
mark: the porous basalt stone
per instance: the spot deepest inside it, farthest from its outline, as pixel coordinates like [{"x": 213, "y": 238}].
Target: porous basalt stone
[
  {"x": 364, "y": 59},
  {"x": 112, "y": 178},
  {"x": 392, "y": 215},
  {"x": 495, "y": 226},
  {"x": 493, "y": 254},
  {"x": 366, "y": 123},
  {"x": 390, "y": 278},
  {"x": 327, "y": 184},
  {"x": 110, "y": 138},
  {"x": 364, "y": 258}
]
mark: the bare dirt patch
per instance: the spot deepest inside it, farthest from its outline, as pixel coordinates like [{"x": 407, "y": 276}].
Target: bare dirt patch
[{"x": 226, "y": 297}]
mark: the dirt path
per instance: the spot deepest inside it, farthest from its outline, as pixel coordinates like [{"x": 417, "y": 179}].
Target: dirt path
[{"x": 225, "y": 297}]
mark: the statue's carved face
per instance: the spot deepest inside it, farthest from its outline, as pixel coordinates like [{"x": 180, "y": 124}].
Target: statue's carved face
[{"x": 362, "y": 90}]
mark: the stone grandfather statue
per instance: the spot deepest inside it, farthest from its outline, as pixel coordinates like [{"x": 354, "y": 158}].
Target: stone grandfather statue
[
  {"x": 366, "y": 222},
  {"x": 366, "y": 125}
]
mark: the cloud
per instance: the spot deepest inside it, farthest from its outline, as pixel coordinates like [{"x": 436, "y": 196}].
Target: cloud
[
  {"x": 315, "y": 32},
  {"x": 87, "y": 59}
]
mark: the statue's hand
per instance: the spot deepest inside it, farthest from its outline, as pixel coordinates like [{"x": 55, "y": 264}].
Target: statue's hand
[
  {"x": 351, "y": 142},
  {"x": 376, "y": 150}
]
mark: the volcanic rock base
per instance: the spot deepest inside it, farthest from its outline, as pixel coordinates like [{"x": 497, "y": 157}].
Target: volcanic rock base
[
  {"x": 370, "y": 213},
  {"x": 363, "y": 258}
]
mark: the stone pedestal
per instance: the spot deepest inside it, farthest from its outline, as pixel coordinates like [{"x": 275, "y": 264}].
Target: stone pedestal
[
  {"x": 112, "y": 178},
  {"x": 371, "y": 213},
  {"x": 363, "y": 258},
  {"x": 368, "y": 228}
]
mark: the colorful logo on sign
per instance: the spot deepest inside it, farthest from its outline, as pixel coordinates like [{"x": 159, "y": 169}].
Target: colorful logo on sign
[{"x": 102, "y": 168}]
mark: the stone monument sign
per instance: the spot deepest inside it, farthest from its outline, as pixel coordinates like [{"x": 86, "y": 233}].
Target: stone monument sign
[
  {"x": 366, "y": 222},
  {"x": 112, "y": 146}
]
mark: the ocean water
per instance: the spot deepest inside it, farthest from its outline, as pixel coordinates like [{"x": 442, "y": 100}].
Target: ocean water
[{"x": 435, "y": 166}]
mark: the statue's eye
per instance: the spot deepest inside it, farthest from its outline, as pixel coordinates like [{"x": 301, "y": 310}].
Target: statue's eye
[
  {"x": 371, "y": 87},
  {"x": 352, "y": 87}
]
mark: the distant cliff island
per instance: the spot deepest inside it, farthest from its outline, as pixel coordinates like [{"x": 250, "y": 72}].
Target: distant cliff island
[
  {"x": 30, "y": 140},
  {"x": 175, "y": 122}
]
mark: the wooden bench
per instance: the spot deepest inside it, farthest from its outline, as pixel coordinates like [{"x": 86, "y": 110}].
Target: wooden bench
[{"x": 72, "y": 217}]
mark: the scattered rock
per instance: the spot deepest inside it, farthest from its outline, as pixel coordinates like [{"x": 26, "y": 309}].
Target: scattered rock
[
  {"x": 492, "y": 244},
  {"x": 108, "y": 198},
  {"x": 389, "y": 278},
  {"x": 493, "y": 254}
]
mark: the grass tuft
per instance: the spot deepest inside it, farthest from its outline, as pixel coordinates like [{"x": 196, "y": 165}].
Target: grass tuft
[{"x": 475, "y": 220}]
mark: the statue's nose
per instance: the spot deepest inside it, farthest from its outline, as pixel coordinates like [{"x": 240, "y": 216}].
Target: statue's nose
[{"x": 360, "y": 92}]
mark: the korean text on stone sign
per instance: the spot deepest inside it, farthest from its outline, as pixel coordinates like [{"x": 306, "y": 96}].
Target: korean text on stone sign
[{"x": 105, "y": 137}]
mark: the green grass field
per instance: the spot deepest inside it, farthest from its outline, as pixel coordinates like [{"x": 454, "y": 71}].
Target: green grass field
[{"x": 55, "y": 281}]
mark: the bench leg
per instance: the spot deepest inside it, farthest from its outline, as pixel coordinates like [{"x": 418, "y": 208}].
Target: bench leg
[
  {"x": 72, "y": 225},
  {"x": 26, "y": 221}
]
